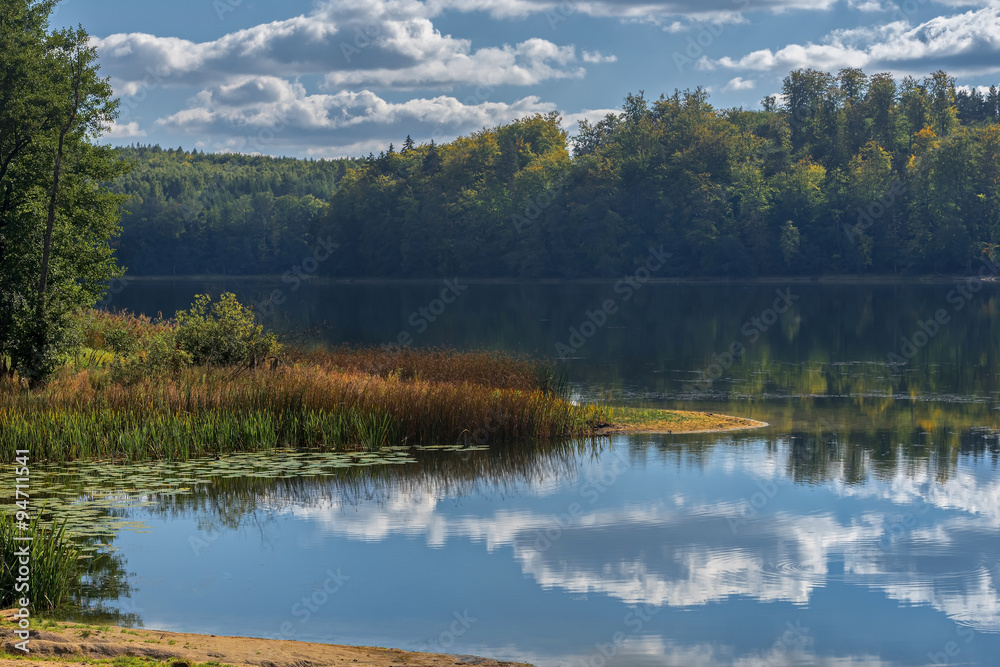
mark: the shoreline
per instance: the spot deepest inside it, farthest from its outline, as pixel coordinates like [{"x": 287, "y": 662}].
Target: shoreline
[
  {"x": 65, "y": 644},
  {"x": 889, "y": 279}
]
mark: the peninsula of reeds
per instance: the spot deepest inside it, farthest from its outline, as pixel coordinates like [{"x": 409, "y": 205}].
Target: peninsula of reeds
[{"x": 211, "y": 381}]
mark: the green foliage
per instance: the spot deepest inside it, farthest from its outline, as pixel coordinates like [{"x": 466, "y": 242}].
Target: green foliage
[
  {"x": 54, "y": 559},
  {"x": 55, "y": 218},
  {"x": 789, "y": 242},
  {"x": 197, "y": 213},
  {"x": 161, "y": 355},
  {"x": 134, "y": 346},
  {"x": 223, "y": 333},
  {"x": 850, "y": 172},
  {"x": 121, "y": 341}
]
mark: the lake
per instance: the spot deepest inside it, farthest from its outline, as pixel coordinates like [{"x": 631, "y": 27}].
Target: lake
[{"x": 862, "y": 527}]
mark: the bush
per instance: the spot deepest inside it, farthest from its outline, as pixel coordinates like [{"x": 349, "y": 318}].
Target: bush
[
  {"x": 123, "y": 333},
  {"x": 121, "y": 341},
  {"x": 223, "y": 333},
  {"x": 161, "y": 355}
]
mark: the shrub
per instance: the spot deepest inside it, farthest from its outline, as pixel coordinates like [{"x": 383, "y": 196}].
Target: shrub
[
  {"x": 123, "y": 333},
  {"x": 223, "y": 333},
  {"x": 161, "y": 355},
  {"x": 121, "y": 341},
  {"x": 55, "y": 565}
]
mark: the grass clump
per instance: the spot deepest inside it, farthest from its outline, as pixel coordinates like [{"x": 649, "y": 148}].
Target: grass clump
[{"x": 54, "y": 563}]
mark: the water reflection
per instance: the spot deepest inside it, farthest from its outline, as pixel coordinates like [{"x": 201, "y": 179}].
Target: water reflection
[
  {"x": 836, "y": 340},
  {"x": 860, "y": 528},
  {"x": 103, "y": 594},
  {"x": 699, "y": 550}
]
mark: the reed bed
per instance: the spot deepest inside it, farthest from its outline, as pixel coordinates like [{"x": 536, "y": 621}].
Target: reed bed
[
  {"x": 336, "y": 402},
  {"x": 130, "y": 398},
  {"x": 494, "y": 369},
  {"x": 54, "y": 562},
  {"x": 122, "y": 331}
]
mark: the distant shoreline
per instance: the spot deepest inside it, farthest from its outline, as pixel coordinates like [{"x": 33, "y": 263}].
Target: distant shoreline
[{"x": 764, "y": 280}]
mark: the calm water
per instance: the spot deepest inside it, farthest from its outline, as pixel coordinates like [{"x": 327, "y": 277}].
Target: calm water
[{"x": 861, "y": 527}]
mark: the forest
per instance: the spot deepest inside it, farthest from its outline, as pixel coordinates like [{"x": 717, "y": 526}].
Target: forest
[
  {"x": 199, "y": 213},
  {"x": 841, "y": 174}
]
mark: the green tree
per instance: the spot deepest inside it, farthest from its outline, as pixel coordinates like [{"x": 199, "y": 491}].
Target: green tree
[
  {"x": 56, "y": 220},
  {"x": 866, "y": 188},
  {"x": 944, "y": 114},
  {"x": 223, "y": 333},
  {"x": 805, "y": 92},
  {"x": 880, "y": 105},
  {"x": 915, "y": 106},
  {"x": 789, "y": 242},
  {"x": 853, "y": 87}
]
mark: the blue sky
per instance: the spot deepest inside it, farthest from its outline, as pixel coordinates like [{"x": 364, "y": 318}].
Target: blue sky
[{"x": 329, "y": 79}]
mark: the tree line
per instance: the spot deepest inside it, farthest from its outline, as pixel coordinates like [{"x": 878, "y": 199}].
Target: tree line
[
  {"x": 840, "y": 174},
  {"x": 200, "y": 213}
]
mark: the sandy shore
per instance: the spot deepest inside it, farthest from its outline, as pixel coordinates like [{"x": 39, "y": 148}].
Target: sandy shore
[
  {"x": 681, "y": 422},
  {"x": 66, "y": 644}
]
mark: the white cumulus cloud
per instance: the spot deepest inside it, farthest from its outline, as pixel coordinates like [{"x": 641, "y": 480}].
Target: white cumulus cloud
[
  {"x": 963, "y": 44},
  {"x": 740, "y": 84},
  {"x": 253, "y": 115}
]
